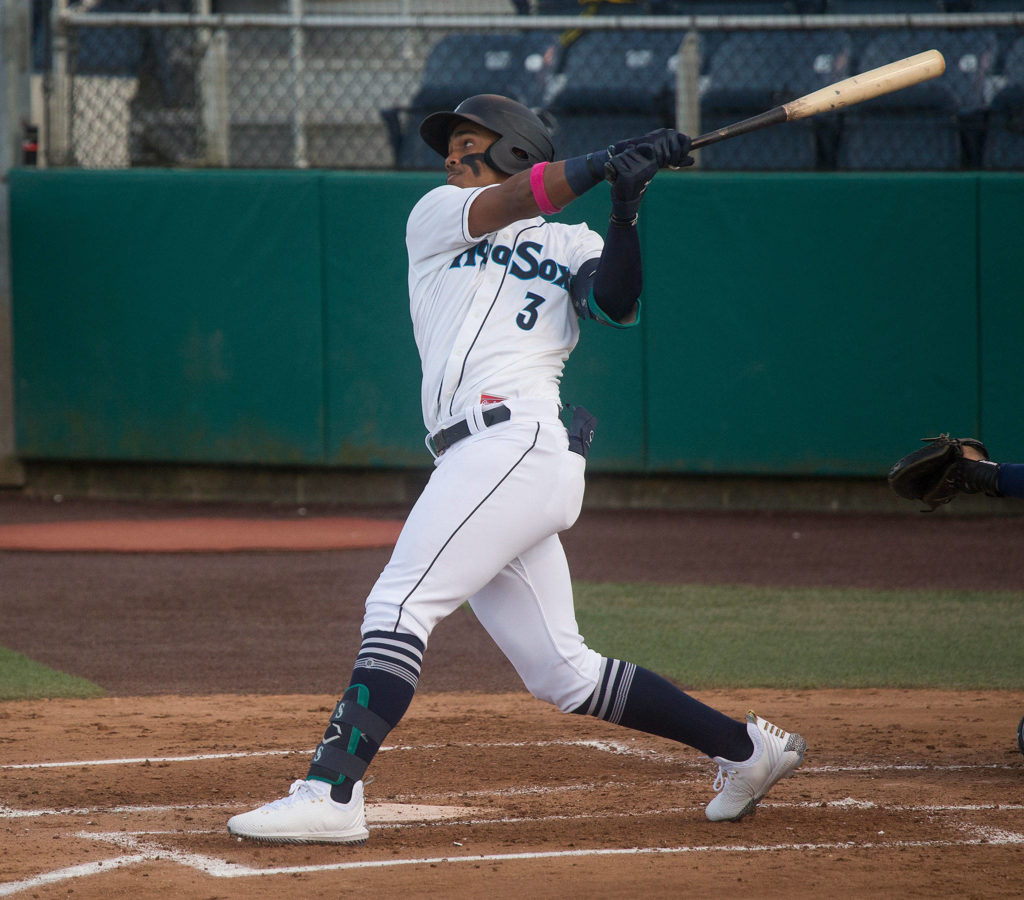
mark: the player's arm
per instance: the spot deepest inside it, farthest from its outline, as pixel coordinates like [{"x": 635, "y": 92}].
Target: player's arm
[
  {"x": 614, "y": 282},
  {"x": 521, "y": 197},
  {"x": 548, "y": 187}
]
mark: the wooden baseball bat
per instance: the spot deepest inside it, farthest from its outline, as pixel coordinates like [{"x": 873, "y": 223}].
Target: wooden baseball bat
[{"x": 884, "y": 80}]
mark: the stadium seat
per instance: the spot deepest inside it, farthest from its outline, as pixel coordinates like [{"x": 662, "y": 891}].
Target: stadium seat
[
  {"x": 615, "y": 84},
  {"x": 884, "y": 7},
  {"x": 733, "y": 7},
  {"x": 933, "y": 125},
  {"x": 517, "y": 65},
  {"x": 989, "y": 6},
  {"x": 164, "y": 112},
  {"x": 755, "y": 71},
  {"x": 119, "y": 52},
  {"x": 1004, "y": 145},
  {"x": 711, "y": 39},
  {"x": 110, "y": 51}
]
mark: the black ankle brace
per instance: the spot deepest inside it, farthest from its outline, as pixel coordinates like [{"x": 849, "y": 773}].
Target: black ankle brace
[{"x": 338, "y": 755}]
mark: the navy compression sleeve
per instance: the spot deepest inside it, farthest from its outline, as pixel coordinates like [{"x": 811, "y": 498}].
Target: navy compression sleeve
[{"x": 619, "y": 278}]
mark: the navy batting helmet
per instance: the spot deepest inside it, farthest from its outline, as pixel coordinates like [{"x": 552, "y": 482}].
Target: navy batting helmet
[{"x": 523, "y": 140}]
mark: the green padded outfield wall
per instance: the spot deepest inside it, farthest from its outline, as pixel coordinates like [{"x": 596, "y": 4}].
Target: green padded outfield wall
[
  {"x": 804, "y": 319},
  {"x": 372, "y": 403},
  {"x": 792, "y": 324},
  {"x": 1001, "y": 311},
  {"x": 168, "y": 316}
]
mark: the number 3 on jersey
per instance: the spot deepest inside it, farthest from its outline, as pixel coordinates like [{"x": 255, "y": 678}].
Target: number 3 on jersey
[{"x": 528, "y": 317}]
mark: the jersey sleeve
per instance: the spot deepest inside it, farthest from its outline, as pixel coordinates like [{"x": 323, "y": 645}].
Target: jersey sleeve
[
  {"x": 588, "y": 245},
  {"x": 439, "y": 224}
]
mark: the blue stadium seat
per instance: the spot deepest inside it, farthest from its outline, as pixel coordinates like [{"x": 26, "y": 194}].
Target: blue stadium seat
[
  {"x": 933, "y": 125},
  {"x": 733, "y": 7},
  {"x": 516, "y": 65},
  {"x": 1004, "y": 144},
  {"x": 884, "y": 7},
  {"x": 120, "y": 52},
  {"x": 674, "y": 7},
  {"x": 991, "y": 6},
  {"x": 512, "y": 64},
  {"x": 754, "y": 71},
  {"x": 616, "y": 84}
]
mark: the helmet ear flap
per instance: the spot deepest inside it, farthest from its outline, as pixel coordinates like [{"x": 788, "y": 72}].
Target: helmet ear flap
[
  {"x": 506, "y": 157},
  {"x": 513, "y": 152},
  {"x": 524, "y": 138},
  {"x": 489, "y": 159}
]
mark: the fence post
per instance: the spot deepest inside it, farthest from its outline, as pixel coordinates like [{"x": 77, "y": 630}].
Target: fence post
[
  {"x": 687, "y": 88},
  {"x": 298, "y": 66},
  {"x": 15, "y": 65},
  {"x": 58, "y": 142},
  {"x": 213, "y": 83}
]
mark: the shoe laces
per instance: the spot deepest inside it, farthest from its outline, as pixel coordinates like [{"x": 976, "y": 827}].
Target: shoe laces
[
  {"x": 722, "y": 778},
  {"x": 299, "y": 791}
]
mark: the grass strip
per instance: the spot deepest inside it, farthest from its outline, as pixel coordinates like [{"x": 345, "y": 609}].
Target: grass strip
[
  {"x": 705, "y": 636},
  {"x": 22, "y": 678}
]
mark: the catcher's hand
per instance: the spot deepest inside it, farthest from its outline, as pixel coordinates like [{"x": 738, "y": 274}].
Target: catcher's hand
[{"x": 931, "y": 474}]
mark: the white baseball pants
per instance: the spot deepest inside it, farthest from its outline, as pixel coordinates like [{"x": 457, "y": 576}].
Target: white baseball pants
[{"x": 485, "y": 529}]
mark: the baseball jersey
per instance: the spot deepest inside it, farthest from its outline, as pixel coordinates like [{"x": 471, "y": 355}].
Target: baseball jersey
[{"x": 492, "y": 316}]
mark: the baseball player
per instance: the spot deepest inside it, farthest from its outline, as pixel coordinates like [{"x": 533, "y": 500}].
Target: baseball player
[{"x": 496, "y": 295}]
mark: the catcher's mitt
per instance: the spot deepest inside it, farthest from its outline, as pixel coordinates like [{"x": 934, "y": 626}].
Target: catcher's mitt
[{"x": 931, "y": 473}]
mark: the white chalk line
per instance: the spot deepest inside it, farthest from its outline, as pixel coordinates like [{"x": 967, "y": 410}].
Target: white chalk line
[
  {"x": 219, "y": 868},
  {"x": 149, "y": 760},
  {"x": 416, "y": 815},
  {"x": 80, "y": 871},
  {"x": 619, "y": 748},
  {"x": 615, "y": 747},
  {"x": 379, "y": 821},
  {"x": 381, "y": 813}
]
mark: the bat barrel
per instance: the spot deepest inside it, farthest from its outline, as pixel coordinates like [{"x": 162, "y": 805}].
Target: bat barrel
[{"x": 885, "y": 79}]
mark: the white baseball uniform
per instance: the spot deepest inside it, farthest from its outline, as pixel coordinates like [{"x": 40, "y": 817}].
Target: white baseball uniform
[
  {"x": 494, "y": 323},
  {"x": 495, "y": 319}
]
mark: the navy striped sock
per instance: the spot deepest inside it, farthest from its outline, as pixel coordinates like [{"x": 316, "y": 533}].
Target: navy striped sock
[
  {"x": 636, "y": 698},
  {"x": 384, "y": 679},
  {"x": 385, "y": 655}
]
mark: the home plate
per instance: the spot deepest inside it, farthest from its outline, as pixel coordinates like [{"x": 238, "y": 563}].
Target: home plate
[{"x": 386, "y": 813}]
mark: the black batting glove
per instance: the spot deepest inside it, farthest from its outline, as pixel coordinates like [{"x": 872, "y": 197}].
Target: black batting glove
[
  {"x": 671, "y": 147},
  {"x": 629, "y": 173}
]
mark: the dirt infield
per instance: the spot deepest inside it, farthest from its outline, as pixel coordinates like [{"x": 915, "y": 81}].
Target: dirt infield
[
  {"x": 902, "y": 794},
  {"x": 204, "y": 535},
  {"x": 222, "y": 668}
]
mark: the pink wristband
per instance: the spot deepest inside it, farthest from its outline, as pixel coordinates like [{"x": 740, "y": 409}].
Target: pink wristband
[{"x": 539, "y": 193}]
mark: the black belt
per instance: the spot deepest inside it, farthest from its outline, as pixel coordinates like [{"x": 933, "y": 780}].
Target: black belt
[{"x": 444, "y": 438}]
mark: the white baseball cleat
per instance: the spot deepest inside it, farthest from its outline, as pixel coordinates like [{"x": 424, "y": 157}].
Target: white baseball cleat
[
  {"x": 741, "y": 785},
  {"x": 307, "y": 815}
]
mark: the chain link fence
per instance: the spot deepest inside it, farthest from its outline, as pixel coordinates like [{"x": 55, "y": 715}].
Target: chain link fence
[{"x": 299, "y": 89}]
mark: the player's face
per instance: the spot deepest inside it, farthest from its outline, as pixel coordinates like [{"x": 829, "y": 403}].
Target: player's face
[{"x": 465, "y": 161}]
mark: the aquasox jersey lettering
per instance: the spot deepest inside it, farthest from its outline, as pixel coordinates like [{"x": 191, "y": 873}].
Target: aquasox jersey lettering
[{"x": 491, "y": 314}]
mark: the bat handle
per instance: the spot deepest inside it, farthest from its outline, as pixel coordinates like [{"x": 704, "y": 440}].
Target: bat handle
[{"x": 770, "y": 117}]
